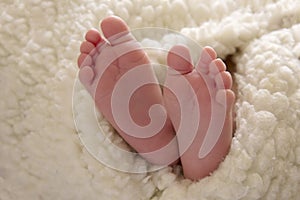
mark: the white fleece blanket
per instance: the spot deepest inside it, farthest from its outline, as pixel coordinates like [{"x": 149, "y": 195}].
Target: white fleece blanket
[{"x": 41, "y": 155}]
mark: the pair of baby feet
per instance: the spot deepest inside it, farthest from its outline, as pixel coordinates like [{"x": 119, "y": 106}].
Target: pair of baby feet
[{"x": 191, "y": 120}]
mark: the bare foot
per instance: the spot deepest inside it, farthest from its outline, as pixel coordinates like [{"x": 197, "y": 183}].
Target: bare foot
[
  {"x": 118, "y": 75},
  {"x": 201, "y": 152}
]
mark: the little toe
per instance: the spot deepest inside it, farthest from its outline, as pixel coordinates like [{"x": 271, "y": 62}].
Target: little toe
[
  {"x": 84, "y": 60},
  {"x": 115, "y": 30},
  {"x": 223, "y": 80},
  {"x": 208, "y": 54},
  {"x": 93, "y": 36},
  {"x": 226, "y": 98},
  {"x": 86, "y": 75},
  {"x": 179, "y": 59}
]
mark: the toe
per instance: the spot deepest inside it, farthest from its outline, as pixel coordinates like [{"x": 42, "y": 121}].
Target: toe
[
  {"x": 93, "y": 36},
  {"x": 208, "y": 54},
  {"x": 179, "y": 59},
  {"x": 86, "y": 47},
  {"x": 223, "y": 80},
  {"x": 86, "y": 75},
  {"x": 114, "y": 28},
  {"x": 84, "y": 60},
  {"x": 226, "y": 98},
  {"x": 216, "y": 66}
]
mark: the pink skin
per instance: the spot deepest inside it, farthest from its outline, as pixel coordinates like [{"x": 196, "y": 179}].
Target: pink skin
[
  {"x": 92, "y": 60},
  {"x": 208, "y": 76},
  {"x": 95, "y": 53}
]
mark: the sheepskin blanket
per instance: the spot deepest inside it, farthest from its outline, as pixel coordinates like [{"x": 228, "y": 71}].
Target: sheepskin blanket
[{"x": 42, "y": 155}]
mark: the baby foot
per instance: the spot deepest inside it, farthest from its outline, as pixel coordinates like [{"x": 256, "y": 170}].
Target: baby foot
[
  {"x": 211, "y": 96},
  {"x": 117, "y": 73}
]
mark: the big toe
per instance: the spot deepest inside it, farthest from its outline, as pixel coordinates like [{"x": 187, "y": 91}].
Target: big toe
[
  {"x": 113, "y": 28},
  {"x": 179, "y": 59}
]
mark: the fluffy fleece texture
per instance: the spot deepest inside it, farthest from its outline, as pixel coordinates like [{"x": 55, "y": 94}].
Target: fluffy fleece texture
[{"x": 41, "y": 155}]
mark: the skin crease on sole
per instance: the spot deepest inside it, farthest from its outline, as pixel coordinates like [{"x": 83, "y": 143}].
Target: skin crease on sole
[{"x": 120, "y": 54}]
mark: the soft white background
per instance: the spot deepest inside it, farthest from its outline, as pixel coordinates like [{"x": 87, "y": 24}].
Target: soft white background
[{"x": 41, "y": 156}]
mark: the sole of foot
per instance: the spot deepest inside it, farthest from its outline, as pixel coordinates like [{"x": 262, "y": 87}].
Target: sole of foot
[
  {"x": 118, "y": 75},
  {"x": 211, "y": 102}
]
